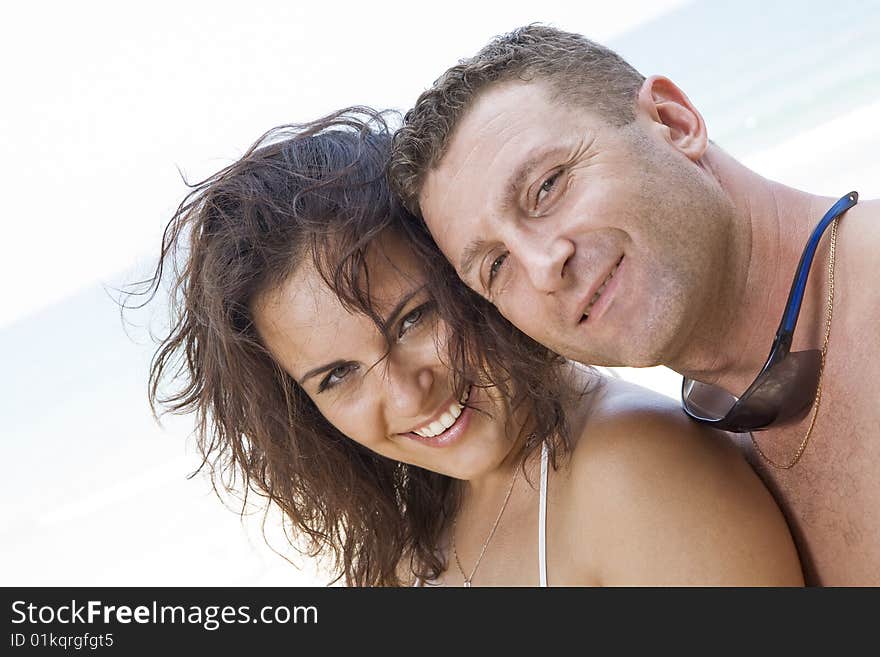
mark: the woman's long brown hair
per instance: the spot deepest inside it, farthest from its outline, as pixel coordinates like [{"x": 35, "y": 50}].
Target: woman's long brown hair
[{"x": 318, "y": 191}]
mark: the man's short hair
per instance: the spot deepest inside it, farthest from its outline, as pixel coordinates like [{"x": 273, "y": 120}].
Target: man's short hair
[{"x": 577, "y": 71}]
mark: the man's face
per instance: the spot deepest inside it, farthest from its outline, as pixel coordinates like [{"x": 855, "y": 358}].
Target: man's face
[{"x": 600, "y": 242}]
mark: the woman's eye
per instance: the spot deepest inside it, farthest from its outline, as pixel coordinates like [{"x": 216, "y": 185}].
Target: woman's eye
[
  {"x": 336, "y": 376},
  {"x": 495, "y": 267},
  {"x": 409, "y": 321},
  {"x": 412, "y": 319},
  {"x": 547, "y": 187}
]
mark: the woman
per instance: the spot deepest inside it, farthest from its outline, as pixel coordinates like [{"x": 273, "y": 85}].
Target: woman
[{"x": 402, "y": 425}]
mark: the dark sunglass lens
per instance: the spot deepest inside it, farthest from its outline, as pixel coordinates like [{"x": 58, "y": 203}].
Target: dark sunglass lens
[
  {"x": 706, "y": 401},
  {"x": 784, "y": 392}
]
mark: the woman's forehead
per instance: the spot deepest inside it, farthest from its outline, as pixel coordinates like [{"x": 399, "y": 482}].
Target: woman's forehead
[
  {"x": 303, "y": 321},
  {"x": 394, "y": 271}
]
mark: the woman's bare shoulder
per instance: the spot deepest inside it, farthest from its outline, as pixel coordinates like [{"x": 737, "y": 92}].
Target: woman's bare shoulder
[
  {"x": 624, "y": 416},
  {"x": 666, "y": 500}
]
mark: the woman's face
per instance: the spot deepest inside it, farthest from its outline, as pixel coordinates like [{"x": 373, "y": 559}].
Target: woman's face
[{"x": 400, "y": 405}]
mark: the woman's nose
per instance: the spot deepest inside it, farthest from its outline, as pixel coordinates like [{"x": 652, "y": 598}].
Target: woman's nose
[{"x": 410, "y": 387}]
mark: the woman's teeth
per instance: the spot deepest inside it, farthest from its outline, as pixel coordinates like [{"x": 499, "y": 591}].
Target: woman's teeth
[
  {"x": 446, "y": 420},
  {"x": 601, "y": 289}
]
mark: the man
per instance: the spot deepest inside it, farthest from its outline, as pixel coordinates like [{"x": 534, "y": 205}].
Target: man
[{"x": 588, "y": 204}]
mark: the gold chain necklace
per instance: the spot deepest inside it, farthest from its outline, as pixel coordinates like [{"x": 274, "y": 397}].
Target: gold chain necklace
[
  {"x": 829, "y": 312},
  {"x": 468, "y": 579}
]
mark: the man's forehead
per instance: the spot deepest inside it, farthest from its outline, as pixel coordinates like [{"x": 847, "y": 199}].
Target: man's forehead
[
  {"x": 506, "y": 97},
  {"x": 497, "y": 114},
  {"x": 469, "y": 176},
  {"x": 444, "y": 207},
  {"x": 485, "y": 179},
  {"x": 506, "y": 122}
]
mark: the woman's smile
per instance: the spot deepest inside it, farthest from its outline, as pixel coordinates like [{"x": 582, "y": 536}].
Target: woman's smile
[{"x": 446, "y": 425}]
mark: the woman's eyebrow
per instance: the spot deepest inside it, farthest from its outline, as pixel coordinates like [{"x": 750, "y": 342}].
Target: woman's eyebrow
[
  {"x": 386, "y": 323},
  {"x": 398, "y": 308},
  {"x": 320, "y": 370}
]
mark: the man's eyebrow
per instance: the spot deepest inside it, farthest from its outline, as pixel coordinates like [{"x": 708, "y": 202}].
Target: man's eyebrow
[
  {"x": 508, "y": 200},
  {"x": 385, "y": 323},
  {"x": 469, "y": 256},
  {"x": 522, "y": 173}
]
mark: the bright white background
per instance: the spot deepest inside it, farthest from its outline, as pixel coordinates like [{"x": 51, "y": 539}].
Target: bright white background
[{"x": 103, "y": 102}]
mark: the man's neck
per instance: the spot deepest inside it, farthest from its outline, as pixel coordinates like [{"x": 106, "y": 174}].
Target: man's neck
[{"x": 731, "y": 340}]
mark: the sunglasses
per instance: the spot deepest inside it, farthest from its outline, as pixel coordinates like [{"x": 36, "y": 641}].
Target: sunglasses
[{"x": 785, "y": 389}]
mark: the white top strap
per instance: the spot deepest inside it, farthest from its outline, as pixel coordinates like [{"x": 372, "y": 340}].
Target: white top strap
[
  {"x": 542, "y": 520},
  {"x": 542, "y": 523}
]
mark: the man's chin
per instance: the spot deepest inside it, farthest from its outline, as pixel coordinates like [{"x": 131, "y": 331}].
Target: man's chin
[{"x": 631, "y": 354}]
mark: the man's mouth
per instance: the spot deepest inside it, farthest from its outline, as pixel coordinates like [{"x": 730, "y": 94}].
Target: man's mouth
[
  {"x": 446, "y": 420},
  {"x": 601, "y": 289}
]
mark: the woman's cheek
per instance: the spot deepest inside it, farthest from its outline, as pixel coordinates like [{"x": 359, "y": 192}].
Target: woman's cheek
[
  {"x": 360, "y": 420},
  {"x": 339, "y": 414}
]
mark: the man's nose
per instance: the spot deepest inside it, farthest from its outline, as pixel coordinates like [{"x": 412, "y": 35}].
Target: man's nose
[{"x": 544, "y": 260}]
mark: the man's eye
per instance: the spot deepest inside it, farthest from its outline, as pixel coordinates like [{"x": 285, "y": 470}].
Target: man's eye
[
  {"x": 336, "y": 376},
  {"x": 547, "y": 187},
  {"x": 495, "y": 267}
]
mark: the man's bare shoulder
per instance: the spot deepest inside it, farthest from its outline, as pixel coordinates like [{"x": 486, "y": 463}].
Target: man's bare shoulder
[
  {"x": 855, "y": 340},
  {"x": 858, "y": 263}
]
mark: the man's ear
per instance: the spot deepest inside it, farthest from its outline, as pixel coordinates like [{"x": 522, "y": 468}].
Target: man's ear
[{"x": 669, "y": 109}]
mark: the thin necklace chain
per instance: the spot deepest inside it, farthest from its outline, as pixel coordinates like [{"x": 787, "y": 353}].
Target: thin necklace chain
[
  {"x": 828, "y": 314},
  {"x": 468, "y": 579}
]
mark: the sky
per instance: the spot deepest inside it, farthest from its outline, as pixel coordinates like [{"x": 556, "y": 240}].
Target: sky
[{"x": 112, "y": 98}]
